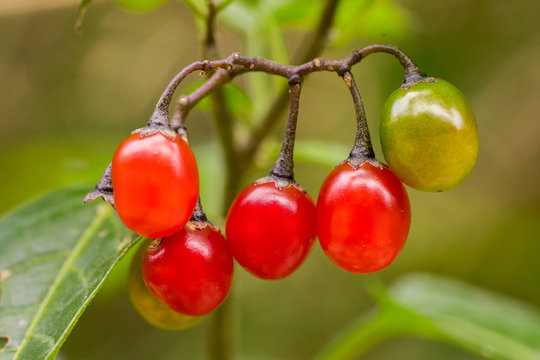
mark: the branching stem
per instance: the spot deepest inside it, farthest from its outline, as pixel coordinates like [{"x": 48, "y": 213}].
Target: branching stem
[{"x": 228, "y": 68}]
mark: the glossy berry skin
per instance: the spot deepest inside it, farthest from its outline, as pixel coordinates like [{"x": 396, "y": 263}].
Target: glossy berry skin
[
  {"x": 155, "y": 183},
  {"x": 271, "y": 230},
  {"x": 191, "y": 271},
  {"x": 363, "y": 217},
  {"x": 429, "y": 135},
  {"x": 146, "y": 304}
]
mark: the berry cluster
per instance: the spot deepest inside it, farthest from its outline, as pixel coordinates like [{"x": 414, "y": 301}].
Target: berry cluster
[{"x": 362, "y": 216}]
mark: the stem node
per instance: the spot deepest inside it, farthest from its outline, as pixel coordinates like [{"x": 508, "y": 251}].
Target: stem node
[
  {"x": 294, "y": 79},
  {"x": 343, "y": 70}
]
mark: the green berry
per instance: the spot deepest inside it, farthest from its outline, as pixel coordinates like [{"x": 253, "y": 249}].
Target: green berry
[{"x": 429, "y": 135}]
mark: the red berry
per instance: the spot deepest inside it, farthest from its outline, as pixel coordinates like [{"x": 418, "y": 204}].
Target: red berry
[
  {"x": 150, "y": 308},
  {"x": 155, "y": 183},
  {"x": 190, "y": 271},
  {"x": 271, "y": 230},
  {"x": 363, "y": 217}
]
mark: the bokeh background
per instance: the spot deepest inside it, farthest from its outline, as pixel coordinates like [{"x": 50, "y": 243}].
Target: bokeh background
[{"x": 67, "y": 100}]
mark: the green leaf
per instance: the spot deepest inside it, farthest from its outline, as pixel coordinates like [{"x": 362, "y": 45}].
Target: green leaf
[
  {"x": 81, "y": 12},
  {"x": 197, "y": 7},
  {"x": 140, "y": 5},
  {"x": 373, "y": 19},
  {"x": 488, "y": 324},
  {"x": 483, "y": 322},
  {"x": 55, "y": 256},
  {"x": 299, "y": 13}
]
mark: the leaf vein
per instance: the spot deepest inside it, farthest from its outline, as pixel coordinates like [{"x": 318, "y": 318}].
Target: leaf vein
[{"x": 92, "y": 229}]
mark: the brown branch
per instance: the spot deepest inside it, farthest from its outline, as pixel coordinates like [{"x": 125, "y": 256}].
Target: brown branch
[
  {"x": 235, "y": 65},
  {"x": 186, "y": 103},
  {"x": 165, "y": 99}
]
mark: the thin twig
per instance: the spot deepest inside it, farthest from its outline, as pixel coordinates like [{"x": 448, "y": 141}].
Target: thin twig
[
  {"x": 235, "y": 64},
  {"x": 219, "y": 78},
  {"x": 165, "y": 99}
]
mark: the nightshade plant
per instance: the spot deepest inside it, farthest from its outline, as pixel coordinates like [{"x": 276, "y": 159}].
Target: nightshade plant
[
  {"x": 362, "y": 216},
  {"x": 363, "y": 213}
]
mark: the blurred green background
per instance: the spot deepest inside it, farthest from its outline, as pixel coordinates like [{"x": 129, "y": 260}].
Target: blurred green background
[{"x": 67, "y": 100}]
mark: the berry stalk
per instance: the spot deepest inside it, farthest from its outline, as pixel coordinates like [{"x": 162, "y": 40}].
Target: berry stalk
[
  {"x": 362, "y": 148},
  {"x": 284, "y": 165}
]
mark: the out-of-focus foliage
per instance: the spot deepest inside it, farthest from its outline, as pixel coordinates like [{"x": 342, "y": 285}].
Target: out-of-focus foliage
[
  {"x": 240, "y": 103},
  {"x": 482, "y": 322},
  {"x": 315, "y": 152},
  {"x": 140, "y": 5}
]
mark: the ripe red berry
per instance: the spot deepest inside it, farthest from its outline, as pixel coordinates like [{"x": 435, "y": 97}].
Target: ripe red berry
[
  {"x": 190, "y": 271},
  {"x": 155, "y": 183},
  {"x": 363, "y": 217},
  {"x": 271, "y": 230},
  {"x": 150, "y": 308}
]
